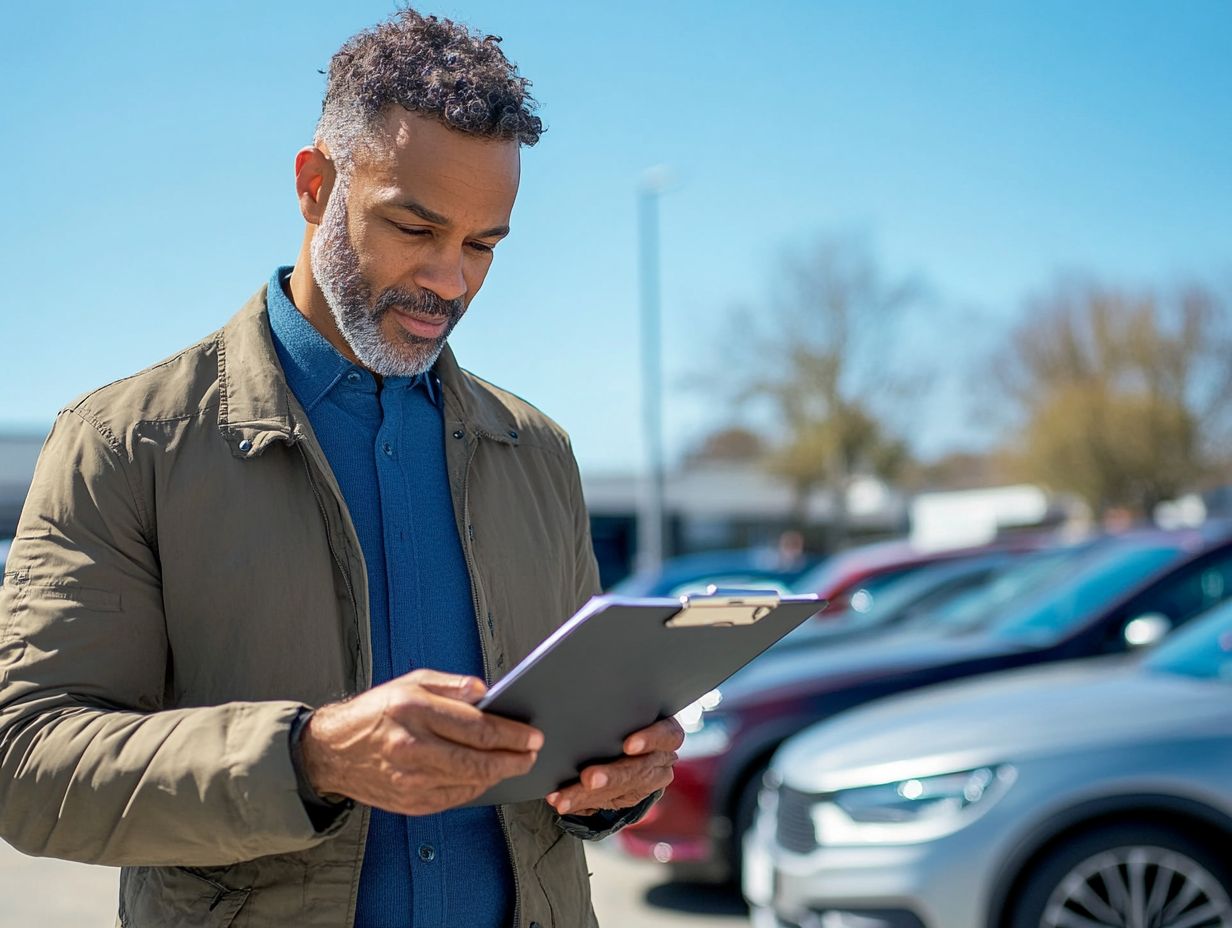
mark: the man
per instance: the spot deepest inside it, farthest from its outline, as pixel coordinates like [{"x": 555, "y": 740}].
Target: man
[{"x": 316, "y": 507}]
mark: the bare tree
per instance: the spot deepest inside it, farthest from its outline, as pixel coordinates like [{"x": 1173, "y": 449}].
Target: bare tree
[
  {"x": 1121, "y": 395},
  {"x": 732, "y": 443},
  {"x": 816, "y": 355}
]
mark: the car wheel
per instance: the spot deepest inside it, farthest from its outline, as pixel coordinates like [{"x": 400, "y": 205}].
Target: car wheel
[{"x": 1136, "y": 876}]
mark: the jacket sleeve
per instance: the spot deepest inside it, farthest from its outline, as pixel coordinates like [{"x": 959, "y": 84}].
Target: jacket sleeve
[{"x": 92, "y": 766}]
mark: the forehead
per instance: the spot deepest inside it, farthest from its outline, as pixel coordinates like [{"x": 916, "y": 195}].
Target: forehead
[{"x": 445, "y": 170}]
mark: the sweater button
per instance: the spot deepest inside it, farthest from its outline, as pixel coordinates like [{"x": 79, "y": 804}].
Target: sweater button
[{"x": 427, "y": 852}]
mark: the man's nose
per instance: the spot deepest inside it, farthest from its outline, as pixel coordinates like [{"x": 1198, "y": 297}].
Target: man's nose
[{"x": 442, "y": 274}]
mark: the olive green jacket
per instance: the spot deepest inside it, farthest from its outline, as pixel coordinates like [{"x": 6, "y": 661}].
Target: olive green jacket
[{"x": 185, "y": 578}]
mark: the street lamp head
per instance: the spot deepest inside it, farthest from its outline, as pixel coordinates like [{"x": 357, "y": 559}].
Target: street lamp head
[{"x": 656, "y": 180}]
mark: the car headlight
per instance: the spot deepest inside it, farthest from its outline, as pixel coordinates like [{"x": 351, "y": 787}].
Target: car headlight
[
  {"x": 705, "y": 733},
  {"x": 912, "y": 810}
]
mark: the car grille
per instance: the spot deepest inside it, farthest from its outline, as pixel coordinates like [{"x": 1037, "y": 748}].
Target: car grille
[{"x": 795, "y": 831}]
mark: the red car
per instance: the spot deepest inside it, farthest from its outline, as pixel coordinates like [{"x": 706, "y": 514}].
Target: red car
[{"x": 692, "y": 825}]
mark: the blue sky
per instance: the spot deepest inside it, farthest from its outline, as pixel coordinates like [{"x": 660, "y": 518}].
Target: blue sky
[{"x": 148, "y": 151}]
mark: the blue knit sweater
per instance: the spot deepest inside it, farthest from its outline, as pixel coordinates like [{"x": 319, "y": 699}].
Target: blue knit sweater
[{"x": 385, "y": 445}]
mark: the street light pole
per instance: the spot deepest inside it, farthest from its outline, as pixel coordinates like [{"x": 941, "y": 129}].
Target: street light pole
[{"x": 650, "y": 516}]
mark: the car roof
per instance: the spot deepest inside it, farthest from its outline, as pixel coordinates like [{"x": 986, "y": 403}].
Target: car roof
[
  {"x": 853, "y": 565},
  {"x": 850, "y": 567}
]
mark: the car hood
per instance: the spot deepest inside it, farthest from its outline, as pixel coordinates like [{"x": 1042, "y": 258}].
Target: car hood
[
  {"x": 1042, "y": 710},
  {"x": 824, "y": 666}
]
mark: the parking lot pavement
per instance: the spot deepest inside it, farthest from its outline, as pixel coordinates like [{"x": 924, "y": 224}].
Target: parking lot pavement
[
  {"x": 627, "y": 891},
  {"x": 55, "y": 894}
]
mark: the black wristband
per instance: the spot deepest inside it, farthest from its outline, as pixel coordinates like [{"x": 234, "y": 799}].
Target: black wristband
[{"x": 322, "y": 810}]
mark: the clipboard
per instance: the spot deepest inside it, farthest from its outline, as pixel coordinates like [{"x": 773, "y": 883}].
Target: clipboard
[{"x": 621, "y": 664}]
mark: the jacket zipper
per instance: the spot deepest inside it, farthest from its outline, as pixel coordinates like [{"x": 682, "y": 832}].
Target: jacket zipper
[{"x": 467, "y": 540}]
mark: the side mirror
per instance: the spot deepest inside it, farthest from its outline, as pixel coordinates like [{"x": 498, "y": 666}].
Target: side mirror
[{"x": 1147, "y": 629}]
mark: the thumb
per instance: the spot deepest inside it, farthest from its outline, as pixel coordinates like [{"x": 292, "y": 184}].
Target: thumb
[{"x": 452, "y": 685}]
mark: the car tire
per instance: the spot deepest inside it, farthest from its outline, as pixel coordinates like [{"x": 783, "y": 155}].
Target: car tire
[{"x": 1125, "y": 874}]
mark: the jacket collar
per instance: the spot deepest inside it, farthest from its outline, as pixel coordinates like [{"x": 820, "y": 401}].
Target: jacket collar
[
  {"x": 256, "y": 406},
  {"x": 475, "y": 406}
]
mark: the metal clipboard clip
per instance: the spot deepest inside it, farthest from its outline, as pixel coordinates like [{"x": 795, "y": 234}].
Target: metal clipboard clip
[{"x": 723, "y": 608}]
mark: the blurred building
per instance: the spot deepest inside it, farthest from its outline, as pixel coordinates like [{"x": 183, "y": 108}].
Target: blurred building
[
  {"x": 18, "y": 454},
  {"x": 722, "y": 505},
  {"x": 965, "y": 518}
]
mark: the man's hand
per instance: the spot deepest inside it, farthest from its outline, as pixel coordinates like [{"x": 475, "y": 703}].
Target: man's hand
[
  {"x": 646, "y": 767},
  {"x": 415, "y": 745}
]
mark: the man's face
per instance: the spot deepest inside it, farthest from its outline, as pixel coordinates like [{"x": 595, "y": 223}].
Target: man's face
[{"x": 407, "y": 239}]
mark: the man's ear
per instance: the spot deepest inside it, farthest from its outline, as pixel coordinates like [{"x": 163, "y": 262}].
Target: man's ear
[{"x": 314, "y": 179}]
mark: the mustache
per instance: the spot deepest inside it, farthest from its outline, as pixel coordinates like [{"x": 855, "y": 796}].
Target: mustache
[{"x": 418, "y": 301}]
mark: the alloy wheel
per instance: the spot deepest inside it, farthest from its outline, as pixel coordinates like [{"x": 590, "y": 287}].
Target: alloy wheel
[{"x": 1138, "y": 887}]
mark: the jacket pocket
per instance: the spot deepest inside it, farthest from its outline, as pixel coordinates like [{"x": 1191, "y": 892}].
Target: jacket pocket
[
  {"x": 561, "y": 874},
  {"x": 187, "y": 897},
  {"x": 19, "y": 595},
  {"x": 87, "y": 598}
]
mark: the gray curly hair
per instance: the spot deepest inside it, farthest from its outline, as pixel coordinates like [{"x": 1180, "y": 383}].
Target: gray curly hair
[{"x": 430, "y": 66}]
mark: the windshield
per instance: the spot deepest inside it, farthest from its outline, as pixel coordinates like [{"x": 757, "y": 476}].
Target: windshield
[
  {"x": 1104, "y": 577},
  {"x": 976, "y": 607},
  {"x": 904, "y": 597},
  {"x": 1202, "y": 650}
]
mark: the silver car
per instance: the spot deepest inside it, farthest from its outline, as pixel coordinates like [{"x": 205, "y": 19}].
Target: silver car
[{"x": 1081, "y": 795}]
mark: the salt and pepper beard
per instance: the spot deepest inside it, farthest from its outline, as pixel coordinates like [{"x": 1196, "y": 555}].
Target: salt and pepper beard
[{"x": 335, "y": 266}]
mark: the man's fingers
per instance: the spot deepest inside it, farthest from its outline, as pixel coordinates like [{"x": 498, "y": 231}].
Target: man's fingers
[
  {"x": 451, "y": 685},
  {"x": 485, "y": 768},
  {"x": 617, "y": 785},
  {"x": 457, "y": 765},
  {"x": 432, "y": 702},
  {"x": 616, "y": 777},
  {"x": 664, "y": 735},
  {"x": 577, "y": 801},
  {"x": 647, "y": 766},
  {"x": 467, "y": 726}
]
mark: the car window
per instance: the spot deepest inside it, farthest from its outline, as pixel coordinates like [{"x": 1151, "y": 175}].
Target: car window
[
  {"x": 1189, "y": 592},
  {"x": 1103, "y": 579},
  {"x": 979, "y": 606},
  {"x": 952, "y": 591},
  {"x": 919, "y": 590},
  {"x": 1203, "y": 649},
  {"x": 863, "y": 594}
]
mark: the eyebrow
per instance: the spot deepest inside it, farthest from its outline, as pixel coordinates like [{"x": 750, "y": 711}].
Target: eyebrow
[{"x": 436, "y": 218}]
